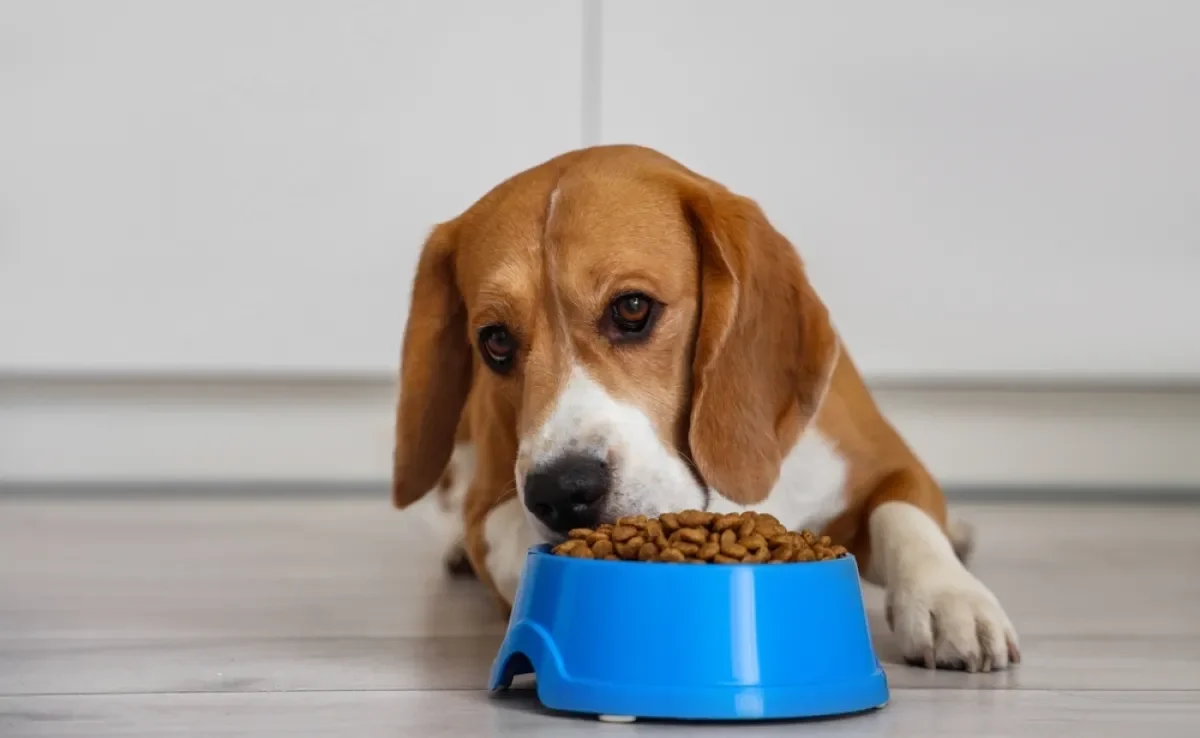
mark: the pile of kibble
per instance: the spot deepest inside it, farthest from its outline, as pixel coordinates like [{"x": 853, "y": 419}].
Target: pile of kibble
[{"x": 697, "y": 537}]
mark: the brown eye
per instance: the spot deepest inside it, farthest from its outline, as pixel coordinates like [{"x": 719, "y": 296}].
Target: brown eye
[
  {"x": 631, "y": 313},
  {"x": 498, "y": 347}
]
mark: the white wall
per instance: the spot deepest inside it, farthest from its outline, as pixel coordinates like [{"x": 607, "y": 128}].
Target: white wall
[
  {"x": 210, "y": 211},
  {"x": 982, "y": 190},
  {"x": 231, "y": 186},
  {"x": 243, "y": 185}
]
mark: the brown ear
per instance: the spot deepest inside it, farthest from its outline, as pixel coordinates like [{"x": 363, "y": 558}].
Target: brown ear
[
  {"x": 435, "y": 372},
  {"x": 765, "y": 348}
]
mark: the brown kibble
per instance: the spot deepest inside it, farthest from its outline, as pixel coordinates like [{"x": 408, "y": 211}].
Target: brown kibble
[
  {"x": 695, "y": 519},
  {"x": 725, "y": 522},
  {"x": 629, "y": 549},
  {"x": 581, "y": 552},
  {"x": 746, "y": 527},
  {"x": 753, "y": 542},
  {"x": 728, "y": 538},
  {"x": 757, "y": 557},
  {"x": 736, "y": 550},
  {"x": 769, "y": 529},
  {"x": 698, "y": 537},
  {"x": 654, "y": 529},
  {"x": 623, "y": 533},
  {"x": 568, "y": 546},
  {"x": 671, "y": 554}
]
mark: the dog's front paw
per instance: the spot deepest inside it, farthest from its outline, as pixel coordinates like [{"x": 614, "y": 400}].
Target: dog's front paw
[{"x": 944, "y": 616}]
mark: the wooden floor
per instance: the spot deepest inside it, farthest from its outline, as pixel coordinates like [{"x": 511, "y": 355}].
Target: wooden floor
[{"x": 155, "y": 618}]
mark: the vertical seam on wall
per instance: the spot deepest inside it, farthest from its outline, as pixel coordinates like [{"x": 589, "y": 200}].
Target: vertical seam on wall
[{"x": 593, "y": 32}]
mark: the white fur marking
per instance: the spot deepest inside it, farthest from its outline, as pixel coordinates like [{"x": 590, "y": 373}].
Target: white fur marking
[
  {"x": 442, "y": 510},
  {"x": 462, "y": 469},
  {"x": 811, "y": 487},
  {"x": 827, "y": 383},
  {"x": 551, "y": 207},
  {"x": 509, "y": 537},
  {"x": 940, "y": 612},
  {"x": 648, "y": 477}
]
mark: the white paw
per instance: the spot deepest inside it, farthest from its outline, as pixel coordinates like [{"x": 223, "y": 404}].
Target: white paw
[
  {"x": 509, "y": 536},
  {"x": 943, "y": 616}
]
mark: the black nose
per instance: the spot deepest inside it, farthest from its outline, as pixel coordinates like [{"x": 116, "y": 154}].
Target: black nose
[{"x": 566, "y": 493}]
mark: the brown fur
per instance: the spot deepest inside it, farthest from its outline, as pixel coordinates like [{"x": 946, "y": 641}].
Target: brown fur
[{"x": 740, "y": 360}]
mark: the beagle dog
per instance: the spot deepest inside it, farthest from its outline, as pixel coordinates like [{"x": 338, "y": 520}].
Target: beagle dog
[{"x": 610, "y": 334}]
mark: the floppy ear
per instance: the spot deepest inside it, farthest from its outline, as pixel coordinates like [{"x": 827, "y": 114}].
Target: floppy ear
[
  {"x": 435, "y": 372},
  {"x": 765, "y": 349}
]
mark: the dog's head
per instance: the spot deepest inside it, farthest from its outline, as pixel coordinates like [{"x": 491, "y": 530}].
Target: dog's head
[{"x": 651, "y": 339}]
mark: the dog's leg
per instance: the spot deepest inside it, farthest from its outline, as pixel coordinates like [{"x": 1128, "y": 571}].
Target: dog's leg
[
  {"x": 508, "y": 536},
  {"x": 941, "y": 614},
  {"x": 444, "y": 508},
  {"x": 498, "y": 538}
]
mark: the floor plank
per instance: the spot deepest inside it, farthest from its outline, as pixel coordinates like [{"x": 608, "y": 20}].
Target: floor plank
[
  {"x": 100, "y": 666},
  {"x": 926, "y": 713}
]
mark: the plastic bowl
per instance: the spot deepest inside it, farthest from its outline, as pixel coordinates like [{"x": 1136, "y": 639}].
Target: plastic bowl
[{"x": 677, "y": 641}]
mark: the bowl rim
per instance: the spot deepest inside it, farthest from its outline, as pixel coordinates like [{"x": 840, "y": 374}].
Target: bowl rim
[{"x": 544, "y": 550}]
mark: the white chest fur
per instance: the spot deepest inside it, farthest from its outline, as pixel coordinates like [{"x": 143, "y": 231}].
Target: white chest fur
[{"x": 811, "y": 487}]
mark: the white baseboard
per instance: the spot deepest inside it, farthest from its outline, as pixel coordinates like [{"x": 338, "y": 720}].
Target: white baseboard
[{"x": 330, "y": 430}]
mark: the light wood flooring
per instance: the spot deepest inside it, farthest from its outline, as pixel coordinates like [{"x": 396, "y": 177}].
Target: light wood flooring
[{"x": 332, "y": 617}]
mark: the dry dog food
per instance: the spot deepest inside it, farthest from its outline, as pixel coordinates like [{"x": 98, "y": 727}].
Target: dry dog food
[{"x": 697, "y": 537}]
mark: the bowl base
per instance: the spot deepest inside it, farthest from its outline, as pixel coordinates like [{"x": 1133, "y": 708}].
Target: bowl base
[{"x": 616, "y": 718}]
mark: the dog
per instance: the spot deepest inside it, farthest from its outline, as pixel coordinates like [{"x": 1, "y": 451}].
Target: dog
[{"x": 610, "y": 333}]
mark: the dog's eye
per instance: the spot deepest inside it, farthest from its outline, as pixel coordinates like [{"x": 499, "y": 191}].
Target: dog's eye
[
  {"x": 631, "y": 314},
  {"x": 498, "y": 347}
]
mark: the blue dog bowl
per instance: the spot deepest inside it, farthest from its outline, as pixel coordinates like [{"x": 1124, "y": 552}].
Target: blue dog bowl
[{"x": 678, "y": 641}]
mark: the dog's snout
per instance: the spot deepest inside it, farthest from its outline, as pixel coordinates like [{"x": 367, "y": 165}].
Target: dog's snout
[{"x": 567, "y": 493}]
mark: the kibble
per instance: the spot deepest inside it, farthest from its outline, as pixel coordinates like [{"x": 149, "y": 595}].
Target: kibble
[{"x": 697, "y": 537}]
